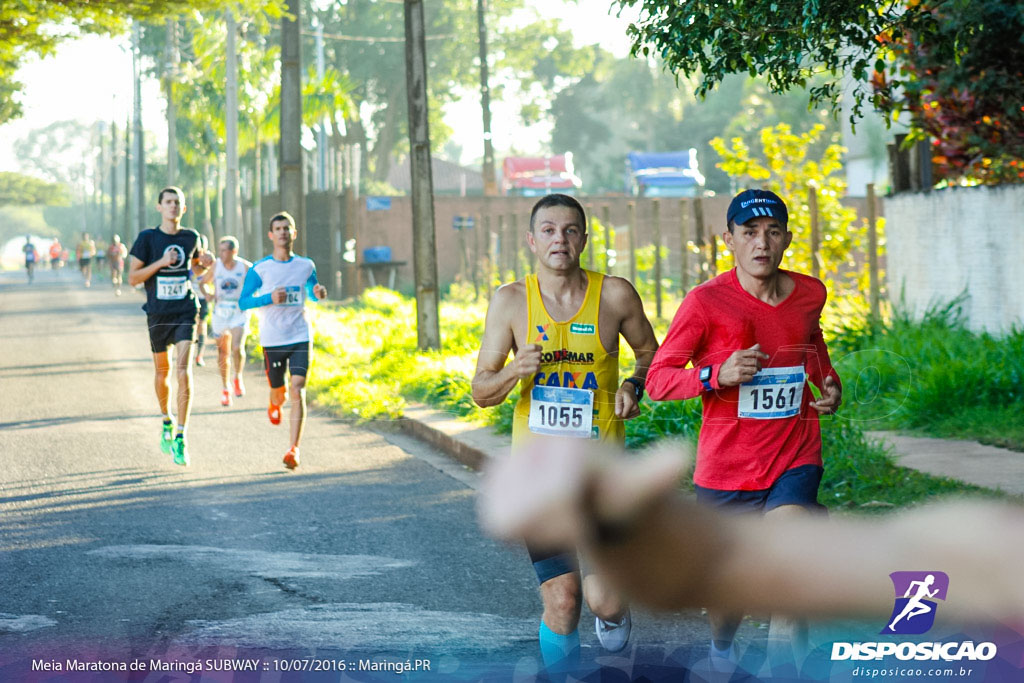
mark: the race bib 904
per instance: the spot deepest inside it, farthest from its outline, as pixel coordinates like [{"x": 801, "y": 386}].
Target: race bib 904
[
  {"x": 293, "y": 296},
  {"x": 560, "y": 411},
  {"x": 171, "y": 288},
  {"x": 773, "y": 393}
]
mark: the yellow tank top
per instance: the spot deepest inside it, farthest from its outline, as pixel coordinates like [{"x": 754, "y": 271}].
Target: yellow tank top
[{"x": 572, "y": 356}]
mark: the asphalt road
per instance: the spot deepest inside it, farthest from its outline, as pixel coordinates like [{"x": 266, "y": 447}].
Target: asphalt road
[{"x": 369, "y": 551}]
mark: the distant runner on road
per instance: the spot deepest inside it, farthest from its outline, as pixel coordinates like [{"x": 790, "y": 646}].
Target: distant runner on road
[
  {"x": 278, "y": 286},
  {"x": 230, "y": 323},
  {"x": 56, "y": 254},
  {"x": 31, "y": 258},
  {"x": 115, "y": 257},
  {"x": 160, "y": 258},
  {"x": 200, "y": 284},
  {"x": 86, "y": 251}
]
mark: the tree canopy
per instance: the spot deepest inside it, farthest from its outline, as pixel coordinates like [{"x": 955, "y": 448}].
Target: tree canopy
[
  {"x": 37, "y": 27},
  {"x": 963, "y": 90},
  {"x": 954, "y": 65},
  {"x": 18, "y": 189},
  {"x": 624, "y": 105}
]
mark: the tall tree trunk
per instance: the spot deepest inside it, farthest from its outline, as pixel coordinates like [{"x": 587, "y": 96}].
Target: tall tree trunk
[
  {"x": 207, "y": 226},
  {"x": 113, "y": 178},
  {"x": 292, "y": 196},
  {"x": 490, "y": 181},
  {"x": 129, "y": 234},
  {"x": 231, "y": 194},
  {"x": 257, "y": 201},
  {"x": 140, "y": 147},
  {"x": 170, "y": 72},
  {"x": 385, "y": 139},
  {"x": 218, "y": 223},
  {"x": 424, "y": 247}
]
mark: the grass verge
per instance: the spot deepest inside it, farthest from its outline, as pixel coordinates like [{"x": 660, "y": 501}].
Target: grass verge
[{"x": 367, "y": 366}]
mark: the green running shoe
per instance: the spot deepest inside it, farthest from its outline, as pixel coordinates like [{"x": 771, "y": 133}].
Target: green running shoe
[
  {"x": 166, "y": 437},
  {"x": 180, "y": 451}
]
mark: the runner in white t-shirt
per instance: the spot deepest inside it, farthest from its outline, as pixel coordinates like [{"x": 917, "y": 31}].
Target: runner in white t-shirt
[{"x": 230, "y": 324}]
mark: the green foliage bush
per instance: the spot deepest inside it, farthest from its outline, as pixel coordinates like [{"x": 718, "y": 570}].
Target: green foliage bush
[
  {"x": 916, "y": 374},
  {"x": 368, "y": 367}
]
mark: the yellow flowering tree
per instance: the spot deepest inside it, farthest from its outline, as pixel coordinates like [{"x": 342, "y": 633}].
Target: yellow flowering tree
[{"x": 786, "y": 166}]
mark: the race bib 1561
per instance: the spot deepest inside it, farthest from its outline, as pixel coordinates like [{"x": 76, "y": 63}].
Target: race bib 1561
[
  {"x": 773, "y": 393},
  {"x": 560, "y": 411}
]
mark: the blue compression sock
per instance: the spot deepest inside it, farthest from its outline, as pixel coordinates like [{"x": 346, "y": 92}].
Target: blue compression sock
[{"x": 560, "y": 653}]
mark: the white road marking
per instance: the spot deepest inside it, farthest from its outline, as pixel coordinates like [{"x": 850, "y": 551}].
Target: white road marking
[
  {"x": 372, "y": 627},
  {"x": 260, "y": 563},
  {"x": 14, "y": 623}
]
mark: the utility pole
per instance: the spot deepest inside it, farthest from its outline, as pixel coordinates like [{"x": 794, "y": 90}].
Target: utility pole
[
  {"x": 490, "y": 181},
  {"x": 170, "y": 73},
  {"x": 113, "y": 178},
  {"x": 428, "y": 330},
  {"x": 140, "y": 150},
  {"x": 321, "y": 129},
  {"x": 129, "y": 234},
  {"x": 231, "y": 203},
  {"x": 291, "y": 173}
]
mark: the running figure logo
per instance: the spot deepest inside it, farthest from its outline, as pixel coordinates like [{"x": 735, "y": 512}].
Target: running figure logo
[
  {"x": 914, "y": 612},
  {"x": 177, "y": 257}
]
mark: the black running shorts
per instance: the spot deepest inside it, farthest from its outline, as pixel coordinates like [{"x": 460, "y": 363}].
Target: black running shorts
[
  {"x": 167, "y": 330},
  {"x": 293, "y": 358}
]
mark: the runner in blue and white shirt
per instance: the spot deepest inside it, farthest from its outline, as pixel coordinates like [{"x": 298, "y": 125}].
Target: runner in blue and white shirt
[{"x": 278, "y": 286}]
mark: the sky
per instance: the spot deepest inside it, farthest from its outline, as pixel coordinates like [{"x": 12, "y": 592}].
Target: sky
[{"x": 90, "y": 79}]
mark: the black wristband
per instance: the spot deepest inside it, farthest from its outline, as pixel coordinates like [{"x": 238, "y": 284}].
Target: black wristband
[{"x": 638, "y": 386}]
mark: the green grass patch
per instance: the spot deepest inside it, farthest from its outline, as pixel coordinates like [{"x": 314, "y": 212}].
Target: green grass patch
[
  {"x": 368, "y": 366},
  {"x": 934, "y": 376}
]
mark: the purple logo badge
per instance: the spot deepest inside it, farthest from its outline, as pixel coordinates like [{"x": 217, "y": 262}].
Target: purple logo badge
[{"x": 914, "y": 611}]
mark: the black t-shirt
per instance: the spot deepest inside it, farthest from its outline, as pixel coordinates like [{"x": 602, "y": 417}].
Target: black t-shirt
[{"x": 169, "y": 291}]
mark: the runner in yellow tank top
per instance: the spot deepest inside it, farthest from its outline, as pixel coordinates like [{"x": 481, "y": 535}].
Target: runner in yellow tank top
[
  {"x": 563, "y": 324},
  {"x": 571, "y": 356}
]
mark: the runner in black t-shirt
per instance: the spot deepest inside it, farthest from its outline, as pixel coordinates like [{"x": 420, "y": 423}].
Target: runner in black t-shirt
[{"x": 161, "y": 258}]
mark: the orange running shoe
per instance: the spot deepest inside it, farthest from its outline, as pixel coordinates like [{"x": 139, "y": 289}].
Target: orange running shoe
[
  {"x": 239, "y": 387},
  {"x": 225, "y": 397},
  {"x": 274, "y": 413},
  {"x": 291, "y": 458}
]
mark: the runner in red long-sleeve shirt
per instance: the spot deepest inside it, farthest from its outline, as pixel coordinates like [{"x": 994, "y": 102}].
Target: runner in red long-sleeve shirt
[{"x": 754, "y": 340}]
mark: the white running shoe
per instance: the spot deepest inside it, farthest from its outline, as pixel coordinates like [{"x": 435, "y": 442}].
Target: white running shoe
[{"x": 613, "y": 635}]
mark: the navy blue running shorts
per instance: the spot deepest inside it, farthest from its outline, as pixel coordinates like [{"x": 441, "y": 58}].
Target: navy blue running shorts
[
  {"x": 549, "y": 564},
  {"x": 798, "y": 486},
  {"x": 168, "y": 330}
]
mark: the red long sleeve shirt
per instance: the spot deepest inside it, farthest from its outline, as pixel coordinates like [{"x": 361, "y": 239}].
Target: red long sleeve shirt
[{"x": 716, "y": 319}]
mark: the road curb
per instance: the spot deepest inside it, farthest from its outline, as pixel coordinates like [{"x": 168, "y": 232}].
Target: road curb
[{"x": 469, "y": 444}]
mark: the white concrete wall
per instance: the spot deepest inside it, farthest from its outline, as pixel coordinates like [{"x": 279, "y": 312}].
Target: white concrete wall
[{"x": 942, "y": 243}]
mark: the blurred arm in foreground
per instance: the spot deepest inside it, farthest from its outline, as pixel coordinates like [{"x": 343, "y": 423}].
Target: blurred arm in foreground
[{"x": 627, "y": 516}]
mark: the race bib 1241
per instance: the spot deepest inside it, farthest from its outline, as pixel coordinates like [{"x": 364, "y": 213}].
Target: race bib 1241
[{"x": 171, "y": 288}]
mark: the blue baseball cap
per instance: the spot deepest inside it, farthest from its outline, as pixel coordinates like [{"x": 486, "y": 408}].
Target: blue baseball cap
[{"x": 753, "y": 203}]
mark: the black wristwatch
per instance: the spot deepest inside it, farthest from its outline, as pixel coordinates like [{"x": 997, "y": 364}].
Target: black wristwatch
[
  {"x": 705, "y": 377},
  {"x": 638, "y": 387}
]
